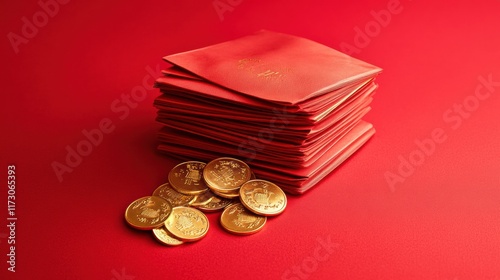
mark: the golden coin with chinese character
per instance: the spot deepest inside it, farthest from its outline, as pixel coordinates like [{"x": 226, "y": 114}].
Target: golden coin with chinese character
[
  {"x": 217, "y": 203},
  {"x": 228, "y": 195},
  {"x": 202, "y": 199},
  {"x": 263, "y": 197},
  {"x": 163, "y": 236},
  {"x": 238, "y": 220},
  {"x": 147, "y": 212},
  {"x": 174, "y": 197},
  {"x": 187, "y": 178},
  {"x": 187, "y": 223},
  {"x": 226, "y": 174}
]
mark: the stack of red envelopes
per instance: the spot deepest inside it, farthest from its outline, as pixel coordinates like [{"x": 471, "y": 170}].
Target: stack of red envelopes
[{"x": 289, "y": 107}]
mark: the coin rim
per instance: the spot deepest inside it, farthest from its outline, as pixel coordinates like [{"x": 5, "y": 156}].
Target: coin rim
[
  {"x": 213, "y": 186},
  {"x": 204, "y": 202},
  {"x": 147, "y": 227},
  {"x": 239, "y": 232},
  {"x": 211, "y": 210},
  {"x": 170, "y": 173},
  {"x": 227, "y": 196},
  {"x": 257, "y": 211},
  {"x": 183, "y": 238},
  {"x": 168, "y": 233},
  {"x": 170, "y": 185}
]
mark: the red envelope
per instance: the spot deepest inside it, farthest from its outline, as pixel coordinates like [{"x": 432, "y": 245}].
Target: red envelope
[
  {"x": 288, "y": 106},
  {"x": 294, "y": 181},
  {"x": 275, "y": 67}
]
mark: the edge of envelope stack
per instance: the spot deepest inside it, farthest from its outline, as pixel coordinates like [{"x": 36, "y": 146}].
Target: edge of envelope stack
[{"x": 289, "y": 107}]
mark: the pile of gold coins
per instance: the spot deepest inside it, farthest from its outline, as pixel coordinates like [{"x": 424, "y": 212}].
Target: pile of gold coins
[{"x": 175, "y": 210}]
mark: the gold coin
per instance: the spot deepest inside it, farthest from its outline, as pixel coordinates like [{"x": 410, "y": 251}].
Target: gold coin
[
  {"x": 228, "y": 195},
  {"x": 216, "y": 204},
  {"x": 174, "y": 197},
  {"x": 187, "y": 178},
  {"x": 238, "y": 220},
  {"x": 147, "y": 212},
  {"x": 187, "y": 223},
  {"x": 202, "y": 199},
  {"x": 226, "y": 174},
  {"x": 263, "y": 197},
  {"x": 165, "y": 237}
]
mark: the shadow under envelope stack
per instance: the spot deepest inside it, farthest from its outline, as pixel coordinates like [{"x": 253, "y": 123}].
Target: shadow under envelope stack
[{"x": 289, "y": 107}]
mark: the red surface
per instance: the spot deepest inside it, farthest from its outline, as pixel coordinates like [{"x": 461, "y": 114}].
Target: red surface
[{"x": 442, "y": 221}]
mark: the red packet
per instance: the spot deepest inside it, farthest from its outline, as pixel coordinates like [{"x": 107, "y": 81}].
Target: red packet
[
  {"x": 275, "y": 67},
  {"x": 290, "y": 107}
]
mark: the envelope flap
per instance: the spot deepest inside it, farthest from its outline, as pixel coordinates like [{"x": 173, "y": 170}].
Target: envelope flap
[{"x": 275, "y": 67}]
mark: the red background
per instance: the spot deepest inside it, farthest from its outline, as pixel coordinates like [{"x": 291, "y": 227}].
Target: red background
[{"x": 441, "y": 222}]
